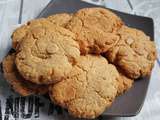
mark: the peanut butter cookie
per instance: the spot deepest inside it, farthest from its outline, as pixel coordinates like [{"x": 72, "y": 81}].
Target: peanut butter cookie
[
  {"x": 20, "y": 32},
  {"x": 89, "y": 89},
  {"x": 134, "y": 53},
  {"x": 46, "y": 54},
  {"x": 94, "y": 28},
  {"x": 57, "y": 19},
  {"x": 17, "y": 82}
]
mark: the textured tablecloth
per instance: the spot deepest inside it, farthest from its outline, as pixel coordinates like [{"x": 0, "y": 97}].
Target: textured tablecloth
[{"x": 39, "y": 108}]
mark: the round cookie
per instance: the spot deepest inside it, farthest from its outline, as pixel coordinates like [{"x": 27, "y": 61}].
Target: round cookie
[
  {"x": 17, "y": 82},
  {"x": 61, "y": 19},
  {"x": 89, "y": 89},
  {"x": 47, "y": 54},
  {"x": 134, "y": 53},
  {"x": 94, "y": 28},
  {"x": 20, "y": 32},
  {"x": 57, "y": 19}
]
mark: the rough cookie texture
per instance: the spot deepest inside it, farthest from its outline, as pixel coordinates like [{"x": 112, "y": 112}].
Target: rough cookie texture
[
  {"x": 47, "y": 54},
  {"x": 124, "y": 83},
  {"x": 89, "y": 89},
  {"x": 93, "y": 27},
  {"x": 135, "y": 53},
  {"x": 20, "y": 32},
  {"x": 61, "y": 19},
  {"x": 19, "y": 84},
  {"x": 57, "y": 19}
]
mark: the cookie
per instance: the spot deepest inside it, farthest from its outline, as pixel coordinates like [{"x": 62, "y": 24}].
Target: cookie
[
  {"x": 124, "y": 83},
  {"x": 134, "y": 53},
  {"x": 57, "y": 19},
  {"x": 17, "y": 82},
  {"x": 89, "y": 89},
  {"x": 61, "y": 19},
  {"x": 47, "y": 54},
  {"x": 20, "y": 32},
  {"x": 94, "y": 28}
]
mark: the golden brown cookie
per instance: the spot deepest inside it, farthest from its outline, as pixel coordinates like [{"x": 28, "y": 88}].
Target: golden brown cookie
[
  {"x": 47, "y": 54},
  {"x": 19, "y": 84},
  {"x": 89, "y": 89},
  {"x": 94, "y": 28},
  {"x": 20, "y": 32},
  {"x": 124, "y": 83},
  {"x": 57, "y": 19},
  {"x": 135, "y": 53},
  {"x": 61, "y": 19}
]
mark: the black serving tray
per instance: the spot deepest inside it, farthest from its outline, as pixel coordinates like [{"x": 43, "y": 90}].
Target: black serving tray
[{"x": 132, "y": 101}]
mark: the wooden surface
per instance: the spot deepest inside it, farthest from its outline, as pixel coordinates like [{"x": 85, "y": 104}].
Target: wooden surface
[{"x": 9, "y": 17}]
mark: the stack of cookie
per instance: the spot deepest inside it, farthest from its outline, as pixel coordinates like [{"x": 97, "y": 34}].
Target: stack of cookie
[{"x": 83, "y": 60}]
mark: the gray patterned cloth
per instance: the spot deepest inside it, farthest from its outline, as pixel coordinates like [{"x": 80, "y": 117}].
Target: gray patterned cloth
[{"x": 12, "y": 106}]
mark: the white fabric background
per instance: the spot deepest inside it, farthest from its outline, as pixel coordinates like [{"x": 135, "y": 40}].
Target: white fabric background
[{"x": 9, "y": 15}]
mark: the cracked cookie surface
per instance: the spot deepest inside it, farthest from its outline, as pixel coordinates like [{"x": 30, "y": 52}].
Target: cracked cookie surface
[
  {"x": 61, "y": 19},
  {"x": 94, "y": 28},
  {"x": 17, "y": 82},
  {"x": 134, "y": 53},
  {"x": 20, "y": 32},
  {"x": 57, "y": 19},
  {"x": 46, "y": 54},
  {"x": 89, "y": 89}
]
